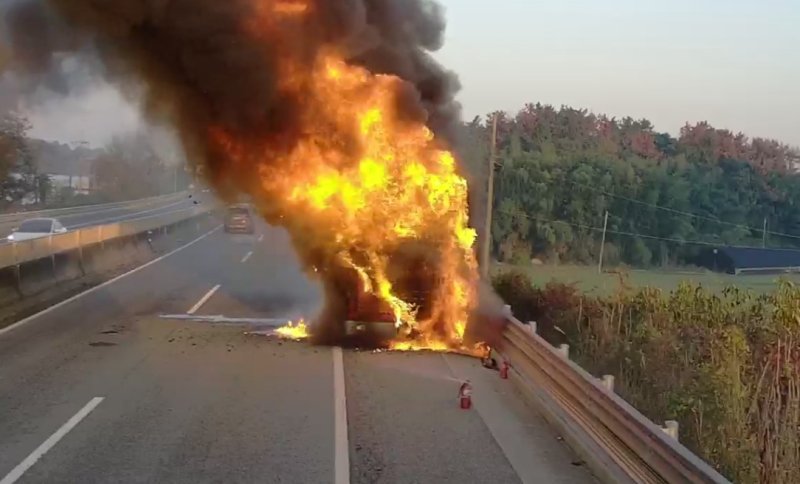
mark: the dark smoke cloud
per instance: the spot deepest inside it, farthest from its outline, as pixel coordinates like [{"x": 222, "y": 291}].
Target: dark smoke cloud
[
  {"x": 200, "y": 66},
  {"x": 201, "y": 63}
]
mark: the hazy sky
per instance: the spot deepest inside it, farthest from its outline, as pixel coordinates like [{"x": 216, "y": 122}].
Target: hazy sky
[{"x": 734, "y": 63}]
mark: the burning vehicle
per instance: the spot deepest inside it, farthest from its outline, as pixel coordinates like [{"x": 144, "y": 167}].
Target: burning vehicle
[{"x": 331, "y": 116}]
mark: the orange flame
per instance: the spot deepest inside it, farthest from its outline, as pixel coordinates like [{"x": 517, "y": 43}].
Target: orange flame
[
  {"x": 295, "y": 331},
  {"x": 365, "y": 179}
]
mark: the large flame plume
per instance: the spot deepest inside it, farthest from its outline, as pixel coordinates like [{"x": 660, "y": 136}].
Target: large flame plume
[
  {"x": 332, "y": 115},
  {"x": 360, "y": 184}
]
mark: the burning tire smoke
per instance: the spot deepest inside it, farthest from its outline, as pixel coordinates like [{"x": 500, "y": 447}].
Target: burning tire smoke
[{"x": 331, "y": 114}]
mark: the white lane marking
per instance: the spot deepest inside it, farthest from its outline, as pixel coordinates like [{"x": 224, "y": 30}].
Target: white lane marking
[
  {"x": 247, "y": 256},
  {"x": 51, "y": 441},
  {"x": 203, "y": 300},
  {"x": 341, "y": 445},
  {"x": 52, "y": 308},
  {"x": 261, "y": 237}
]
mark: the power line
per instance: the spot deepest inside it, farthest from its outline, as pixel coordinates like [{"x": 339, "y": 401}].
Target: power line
[
  {"x": 681, "y": 212},
  {"x": 619, "y": 232}
]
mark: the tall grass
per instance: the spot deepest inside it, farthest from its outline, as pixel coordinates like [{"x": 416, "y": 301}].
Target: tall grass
[{"x": 725, "y": 365}]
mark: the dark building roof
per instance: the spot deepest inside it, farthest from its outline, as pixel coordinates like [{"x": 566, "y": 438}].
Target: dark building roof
[{"x": 737, "y": 259}]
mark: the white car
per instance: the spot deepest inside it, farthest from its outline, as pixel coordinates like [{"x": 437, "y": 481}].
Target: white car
[{"x": 35, "y": 228}]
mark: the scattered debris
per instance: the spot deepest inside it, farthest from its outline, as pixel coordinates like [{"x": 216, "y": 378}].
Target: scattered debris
[{"x": 222, "y": 319}]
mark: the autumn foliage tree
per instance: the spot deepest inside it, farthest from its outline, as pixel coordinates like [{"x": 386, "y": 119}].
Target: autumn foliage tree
[{"x": 560, "y": 169}]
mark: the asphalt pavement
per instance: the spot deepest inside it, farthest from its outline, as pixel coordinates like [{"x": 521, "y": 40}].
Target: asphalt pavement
[{"x": 104, "y": 388}]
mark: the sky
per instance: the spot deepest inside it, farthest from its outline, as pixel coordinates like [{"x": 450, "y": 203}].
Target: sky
[{"x": 733, "y": 63}]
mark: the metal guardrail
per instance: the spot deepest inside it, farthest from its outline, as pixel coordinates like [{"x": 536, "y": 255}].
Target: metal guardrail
[
  {"x": 17, "y": 253},
  {"x": 10, "y": 218},
  {"x": 617, "y": 441}
]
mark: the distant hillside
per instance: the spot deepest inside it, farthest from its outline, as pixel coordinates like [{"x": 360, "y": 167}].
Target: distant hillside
[{"x": 560, "y": 169}]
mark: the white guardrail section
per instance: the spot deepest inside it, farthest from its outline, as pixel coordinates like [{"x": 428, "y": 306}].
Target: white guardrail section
[
  {"x": 28, "y": 250},
  {"x": 617, "y": 442},
  {"x": 10, "y": 218}
]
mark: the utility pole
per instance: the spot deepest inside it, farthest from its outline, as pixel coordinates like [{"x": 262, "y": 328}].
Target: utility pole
[
  {"x": 764, "y": 236},
  {"x": 487, "y": 230},
  {"x": 602, "y": 245}
]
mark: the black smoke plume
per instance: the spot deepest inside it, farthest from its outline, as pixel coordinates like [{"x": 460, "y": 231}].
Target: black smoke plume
[
  {"x": 201, "y": 63},
  {"x": 201, "y": 66}
]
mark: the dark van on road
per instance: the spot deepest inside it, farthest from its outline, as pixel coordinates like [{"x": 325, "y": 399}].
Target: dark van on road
[{"x": 239, "y": 219}]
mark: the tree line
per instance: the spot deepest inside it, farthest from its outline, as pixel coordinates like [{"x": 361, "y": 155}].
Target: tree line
[
  {"x": 558, "y": 171},
  {"x": 127, "y": 167}
]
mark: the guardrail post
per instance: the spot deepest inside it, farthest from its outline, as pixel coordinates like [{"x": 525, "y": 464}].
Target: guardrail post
[
  {"x": 80, "y": 252},
  {"x": 17, "y": 269},
  {"x": 52, "y": 254},
  {"x": 532, "y": 327},
  {"x": 564, "y": 350},
  {"x": 608, "y": 382},
  {"x": 671, "y": 428}
]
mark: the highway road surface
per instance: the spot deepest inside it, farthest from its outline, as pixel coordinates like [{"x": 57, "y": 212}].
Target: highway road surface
[
  {"x": 102, "y": 389},
  {"x": 98, "y": 215}
]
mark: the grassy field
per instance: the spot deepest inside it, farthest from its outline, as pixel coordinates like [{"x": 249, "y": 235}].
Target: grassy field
[{"x": 587, "y": 279}]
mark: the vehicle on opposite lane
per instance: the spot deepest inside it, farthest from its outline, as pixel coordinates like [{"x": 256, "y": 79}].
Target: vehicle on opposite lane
[
  {"x": 35, "y": 228},
  {"x": 239, "y": 219}
]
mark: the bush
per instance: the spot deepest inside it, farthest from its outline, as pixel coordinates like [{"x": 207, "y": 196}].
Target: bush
[{"x": 727, "y": 366}]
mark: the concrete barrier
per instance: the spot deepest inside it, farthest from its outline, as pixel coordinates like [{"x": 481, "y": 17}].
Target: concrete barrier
[{"x": 37, "y": 283}]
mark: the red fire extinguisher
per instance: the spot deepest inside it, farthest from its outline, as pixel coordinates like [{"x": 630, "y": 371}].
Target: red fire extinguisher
[
  {"x": 504, "y": 370},
  {"x": 465, "y": 395}
]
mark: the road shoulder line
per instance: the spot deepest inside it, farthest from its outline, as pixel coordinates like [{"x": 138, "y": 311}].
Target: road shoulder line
[
  {"x": 51, "y": 441},
  {"x": 203, "y": 300},
  {"x": 52, "y": 308}
]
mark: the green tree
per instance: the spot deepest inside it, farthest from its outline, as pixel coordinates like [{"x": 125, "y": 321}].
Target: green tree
[
  {"x": 16, "y": 163},
  {"x": 562, "y": 169}
]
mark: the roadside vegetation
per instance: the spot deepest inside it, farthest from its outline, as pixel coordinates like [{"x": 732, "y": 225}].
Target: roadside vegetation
[
  {"x": 725, "y": 365},
  {"x": 37, "y": 174},
  {"x": 718, "y": 353},
  {"x": 587, "y": 279},
  {"x": 558, "y": 170}
]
